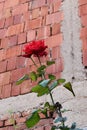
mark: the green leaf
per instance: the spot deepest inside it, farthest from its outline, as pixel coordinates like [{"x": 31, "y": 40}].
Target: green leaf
[
  {"x": 54, "y": 127},
  {"x": 33, "y": 120},
  {"x": 40, "y": 90},
  {"x": 64, "y": 128},
  {"x": 69, "y": 87},
  {"x": 44, "y": 83},
  {"x": 73, "y": 125},
  {"x": 60, "y": 119},
  {"x": 61, "y": 81},
  {"x": 49, "y": 107},
  {"x": 45, "y": 112},
  {"x": 53, "y": 85},
  {"x": 22, "y": 79},
  {"x": 33, "y": 76},
  {"x": 46, "y": 105},
  {"x": 50, "y": 63},
  {"x": 41, "y": 68},
  {"x": 52, "y": 77}
]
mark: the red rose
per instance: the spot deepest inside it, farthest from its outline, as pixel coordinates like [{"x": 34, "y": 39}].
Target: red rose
[{"x": 36, "y": 48}]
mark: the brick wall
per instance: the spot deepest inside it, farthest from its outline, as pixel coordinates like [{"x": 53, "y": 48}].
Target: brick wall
[
  {"x": 22, "y": 21},
  {"x": 83, "y": 15}
]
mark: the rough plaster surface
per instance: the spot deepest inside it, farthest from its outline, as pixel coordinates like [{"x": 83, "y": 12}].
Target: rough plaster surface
[
  {"x": 73, "y": 71},
  {"x": 71, "y": 47}
]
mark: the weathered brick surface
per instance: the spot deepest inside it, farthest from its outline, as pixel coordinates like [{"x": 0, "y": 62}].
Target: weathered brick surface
[
  {"x": 23, "y": 21},
  {"x": 83, "y": 35}
]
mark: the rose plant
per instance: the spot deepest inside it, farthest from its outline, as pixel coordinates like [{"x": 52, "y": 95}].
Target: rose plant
[{"x": 47, "y": 83}]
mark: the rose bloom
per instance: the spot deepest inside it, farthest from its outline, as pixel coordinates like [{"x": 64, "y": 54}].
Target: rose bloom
[{"x": 36, "y": 48}]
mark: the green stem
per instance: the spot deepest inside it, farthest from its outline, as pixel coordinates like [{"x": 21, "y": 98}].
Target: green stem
[
  {"x": 33, "y": 62},
  {"x": 39, "y": 60},
  {"x": 52, "y": 98},
  {"x": 43, "y": 75},
  {"x": 57, "y": 111}
]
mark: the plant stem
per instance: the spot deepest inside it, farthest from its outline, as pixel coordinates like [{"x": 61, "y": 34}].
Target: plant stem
[
  {"x": 39, "y": 60},
  {"x": 33, "y": 62},
  {"x": 57, "y": 111},
  {"x": 52, "y": 98}
]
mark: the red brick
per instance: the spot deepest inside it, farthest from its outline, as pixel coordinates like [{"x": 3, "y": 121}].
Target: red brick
[
  {"x": 51, "y": 9},
  {"x": 2, "y": 0},
  {"x": 8, "y": 122},
  {"x": 13, "y": 51},
  {"x": 2, "y": 21},
  {"x": 26, "y": 16},
  {"x": 40, "y": 128},
  {"x": 21, "y": 120},
  {"x": 25, "y": 113},
  {"x": 31, "y": 35},
  {"x": 4, "y": 43},
  {"x": 49, "y": 1},
  {"x": 22, "y": 8},
  {"x": 84, "y": 45},
  {"x": 18, "y": 73},
  {"x": 83, "y": 32},
  {"x": 35, "y": 13},
  {"x": 43, "y": 32},
  {"x": 51, "y": 69},
  {"x": 2, "y": 33},
  {"x": 11, "y": 64},
  {"x": 23, "y": 1},
  {"x": 55, "y": 52},
  {"x": 0, "y": 92},
  {"x": 44, "y": 10},
  {"x": 6, "y": 91},
  {"x": 36, "y": 23},
  {"x": 2, "y": 55},
  {"x": 28, "y": 62},
  {"x": 1, "y": 123},
  {"x": 22, "y": 126},
  {"x": 20, "y": 62},
  {"x": 55, "y": 40},
  {"x": 3, "y": 65},
  {"x": 9, "y": 21},
  {"x": 57, "y": 5},
  {"x": 15, "y": 90},
  {"x": 22, "y": 38},
  {"x": 54, "y": 18},
  {"x": 83, "y": 10},
  {"x": 4, "y": 128},
  {"x": 25, "y": 87},
  {"x": 13, "y": 40},
  {"x": 56, "y": 28},
  {"x": 48, "y": 127},
  {"x": 6, "y": 13},
  {"x": 84, "y": 21},
  {"x": 45, "y": 122},
  {"x": 81, "y": 2},
  {"x": 85, "y": 57},
  {"x": 59, "y": 65},
  {"x": 4, "y": 78},
  {"x": 1, "y": 6},
  {"x": 10, "y": 127},
  {"x": 38, "y": 3},
  {"x": 42, "y": 115},
  {"x": 10, "y": 3},
  {"x": 15, "y": 29},
  {"x": 17, "y": 19}
]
